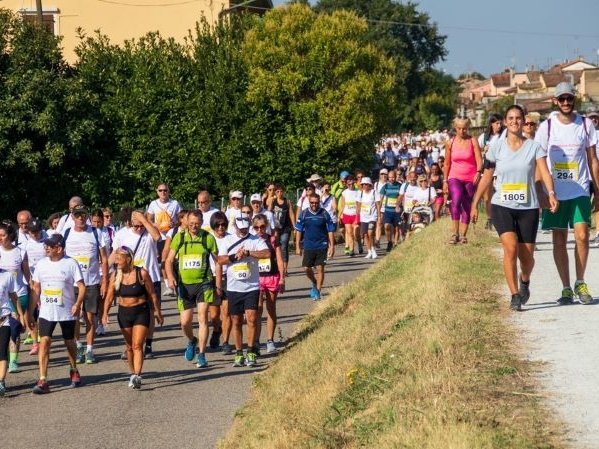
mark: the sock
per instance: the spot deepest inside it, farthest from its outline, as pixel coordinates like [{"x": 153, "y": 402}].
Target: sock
[
  {"x": 524, "y": 282},
  {"x": 13, "y": 357},
  {"x": 42, "y": 377},
  {"x": 89, "y": 348},
  {"x": 578, "y": 281},
  {"x": 148, "y": 342},
  {"x": 79, "y": 344},
  {"x": 239, "y": 352}
]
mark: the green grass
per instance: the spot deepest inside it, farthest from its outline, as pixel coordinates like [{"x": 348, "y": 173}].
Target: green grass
[{"x": 414, "y": 353}]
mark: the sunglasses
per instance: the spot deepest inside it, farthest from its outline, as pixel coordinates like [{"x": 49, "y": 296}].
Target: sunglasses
[
  {"x": 530, "y": 124},
  {"x": 565, "y": 99},
  {"x": 259, "y": 228},
  {"x": 80, "y": 215},
  {"x": 137, "y": 226},
  {"x": 220, "y": 225},
  {"x": 314, "y": 204},
  {"x": 107, "y": 216},
  {"x": 162, "y": 190},
  {"x": 235, "y": 199}
]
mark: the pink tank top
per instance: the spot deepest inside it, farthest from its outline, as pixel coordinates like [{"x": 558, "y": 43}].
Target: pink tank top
[{"x": 463, "y": 162}]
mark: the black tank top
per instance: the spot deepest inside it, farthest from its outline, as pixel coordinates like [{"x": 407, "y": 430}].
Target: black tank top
[
  {"x": 281, "y": 213},
  {"x": 438, "y": 184},
  {"x": 274, "y": 268},
  {"x": 133, "y": 290}
]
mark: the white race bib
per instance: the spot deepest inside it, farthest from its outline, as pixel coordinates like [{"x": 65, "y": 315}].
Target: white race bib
[
  {"x": 138, "y": 263},
  {"x": 350, "y": 208},
  {"x": 83, "y": 262},
  {"x": 566, "y": 171},
  {"x": 191, "y": 261},
  {"x": 264, "y": 265},
  {"x": 241, "y": 271},
  {"x": 514, "y": 193},
  {"x": 52, "y": 296},
  {"x": 391, "y": 202}
]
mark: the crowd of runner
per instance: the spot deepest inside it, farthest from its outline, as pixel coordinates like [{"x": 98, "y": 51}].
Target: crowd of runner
[{"x": 228, "y": 265}]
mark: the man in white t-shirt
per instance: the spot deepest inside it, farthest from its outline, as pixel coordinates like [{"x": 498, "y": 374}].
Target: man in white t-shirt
[
  {"x": 54, "y": 282},
  {"x": 233, "y": 209},
  {"x": 570, "y": 141},
  {"x": 87, "y": 246},
  {"x": 256, "y": 204},
  {"x": 24, "y": 217},
  {"x": 66, "y": 221},
  {"x": 240, "y": 253},
  {"x": 205, "y": 206},
  {"x": 162, "y": 212}
]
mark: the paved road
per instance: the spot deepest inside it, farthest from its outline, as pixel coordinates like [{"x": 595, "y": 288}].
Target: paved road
[
  {"x": 564, "y": 338},
  {"x": 179, "y": 405}
]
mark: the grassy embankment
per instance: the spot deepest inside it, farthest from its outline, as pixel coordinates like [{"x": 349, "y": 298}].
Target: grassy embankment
[{"x": 416, "y": 352}]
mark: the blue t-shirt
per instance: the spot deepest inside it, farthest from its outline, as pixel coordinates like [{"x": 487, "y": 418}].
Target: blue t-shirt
[
  {"x": 316, "y": 227},
  {"x": 390, "y": 192}
]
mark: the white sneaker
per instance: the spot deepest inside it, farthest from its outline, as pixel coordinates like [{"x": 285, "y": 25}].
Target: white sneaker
[
  {"x": 373, "y": 254},
  {"x": 132, "y": 381},
  {"x": 100, "y": 330},
  {"x": 368, "y": 255},
  {"x": 270, "y": 347}
]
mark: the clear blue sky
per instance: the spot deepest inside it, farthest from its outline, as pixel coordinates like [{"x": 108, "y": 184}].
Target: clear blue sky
[{"x": 487, "y": 37}]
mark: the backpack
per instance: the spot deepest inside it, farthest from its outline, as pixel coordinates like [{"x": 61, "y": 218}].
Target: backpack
[
  {"x": 584, "y": 125},
  {"x": 162, "y": 219},
  {"x": 95, "y": 232},
  {"x": 206, "y": 255}
]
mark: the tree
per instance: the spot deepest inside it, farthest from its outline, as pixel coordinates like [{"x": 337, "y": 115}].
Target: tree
[{"x": 471, "y": 76}]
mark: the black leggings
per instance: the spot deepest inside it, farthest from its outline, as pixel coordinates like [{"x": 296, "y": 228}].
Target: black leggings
[{"x": 4, "y": 339}]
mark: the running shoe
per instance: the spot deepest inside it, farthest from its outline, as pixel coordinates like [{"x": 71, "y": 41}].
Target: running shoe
[
  {"x": 352, "y": 254},
  {"x": 13, "y": 366},
  {"x": 201, "y": 363},
  {"x": 190, "y": 350},
  {"x": 377, "y": 244},
  {"x": 313, "y": 291},
  {"x": 75, "y": 377},
  {"x": 228, "y": 349},
  {"x": 567, "y": 297},
  {"x": 250, "y": 359},
  {"x": 100, "y": 330},
  {"x": 28, "y": 340},
  {"x": 137, "y": 383},
  {"x": 2, "y": 388},
  {"x": 238, "y": 361},
  {"x": 80, "y": 356},
  {"x": 389, "y": 246},
  {"x": 34, "y": 349},
  {"x": 596, "y": 240},
  {"x": 132, "y": 381},
  {"x": 124, "y": 355},
  {"x": 516, "y": 302},
  {"x": 346, "y": 251},
  {"x": 373, "y": 254},
  {"x": 360, "y": 248},
  {"x": 524, "y": 291},
  {"x": 368, "y": 255},
  {"x": 582, "y": 291},
  {"x": 316, "y": 296},
  {"x": 148, "y": 354},
  {"x": 270, "y": 347},
  {"x": 90, "y": 357},
  {"x": 215, "y": 339},
  {"x": 41, "y": 387}
]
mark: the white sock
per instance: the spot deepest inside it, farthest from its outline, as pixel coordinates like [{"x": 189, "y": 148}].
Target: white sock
[{"x": 88, "y": 348}]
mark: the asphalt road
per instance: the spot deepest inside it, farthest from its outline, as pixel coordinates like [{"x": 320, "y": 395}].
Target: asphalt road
[{"x": 179, "y": 405}]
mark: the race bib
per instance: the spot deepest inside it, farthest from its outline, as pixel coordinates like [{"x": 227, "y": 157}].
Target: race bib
[
  {"x": 138, "y": 263},
  {"x": 391, "y": 202},
  {"x": 52, "y": 296},
  {"x": 83, "y": 262},
  {"x": 191, "y": 261},
  {"x": 264, "y": 265},
  {"x": 241, "y": 271},
  {"x": 565, "y": 171},
  {"x": 350, "y": 208},
  {"x": 365, "y": 208},
  {"x": 514, "y": 193}
]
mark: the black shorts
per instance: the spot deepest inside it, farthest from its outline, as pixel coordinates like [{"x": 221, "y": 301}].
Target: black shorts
[
  {"x": 157, "y": 286},
  {"x": 367, "y": 226},
  {"x": 46, "y": 328},
  {"x": 524, "y": 222},
  {"x": 192, "y": 294},
  {"x": 91, "y": 298},
  {"x": 314, "y": 257},
  {"x": 134, "y": 316},
  {"x": 4, "y": 340},
  {"x": 239, "y": 302},
  {"x": 160, "y": 247}
]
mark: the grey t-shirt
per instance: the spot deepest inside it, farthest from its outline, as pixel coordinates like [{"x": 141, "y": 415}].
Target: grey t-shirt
[{"x": 515, "y": 172}]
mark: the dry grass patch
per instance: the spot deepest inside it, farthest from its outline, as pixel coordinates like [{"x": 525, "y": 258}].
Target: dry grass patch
[{"x": 414, "y": 353}]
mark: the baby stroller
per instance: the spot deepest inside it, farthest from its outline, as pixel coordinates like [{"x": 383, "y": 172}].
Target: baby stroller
[{"x": 419, "y": 218}]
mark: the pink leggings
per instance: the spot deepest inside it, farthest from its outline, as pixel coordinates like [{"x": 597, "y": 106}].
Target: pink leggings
[{"x": 461, "y": 194}]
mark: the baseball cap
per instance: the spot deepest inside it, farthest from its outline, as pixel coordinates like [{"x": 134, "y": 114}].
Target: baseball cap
[
  {"x": 344, "y": 174},
  {"x": 55, "y": 240},
  {"x": 242, "y": 221},
  {"x": 422, "y": 178},
  {"x": 592, "y": 113},
  {"x": 255, "y": 197},
  {"x": 236, "y": 194},
  {"x": 366, "y": 180},
  {"x": 81, "y": 209},
  {"x": 34, "y": 225},
  {"x": 315, "y": 177},
  {"x": 384, "y": 171},
  {"x": 564, "y": 88}
]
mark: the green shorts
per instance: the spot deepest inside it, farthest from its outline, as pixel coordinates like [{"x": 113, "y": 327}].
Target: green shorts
[
  {"x": 192, "y": 294},
  {"x": 24, "y": 300},
  {"x": 570, "y": 212}
]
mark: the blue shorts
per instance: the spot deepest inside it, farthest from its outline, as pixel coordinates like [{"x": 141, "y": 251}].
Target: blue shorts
[{"x": 391, "y": 218}]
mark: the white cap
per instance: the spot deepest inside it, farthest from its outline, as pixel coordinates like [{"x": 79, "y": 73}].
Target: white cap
[
  {"x": 236, "y": 194},
  {"x": 255, "y": 197},
  {"x": 314, "y": 178},
  {"x": 366, "y": 180}
]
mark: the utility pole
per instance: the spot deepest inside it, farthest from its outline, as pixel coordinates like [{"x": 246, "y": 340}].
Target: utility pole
[{"x": 39, "y": 13}]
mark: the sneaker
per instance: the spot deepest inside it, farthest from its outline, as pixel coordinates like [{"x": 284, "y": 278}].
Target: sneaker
[
  {"x": 89, "y": 357},
  {"x": 169, "y": 292},
  {"x": 238, "y": 361},
  {"x": 124, "y": 355},
  {"x": 516, "y": 302},
  {"x": 28, "y": 340},
  {"x": 524, "y": 291},
  {"x": 75, "y": 377},
  {"x": 346, "y": 251},
  {"x": 582, "y": 291},
  {"x": 389, "y": 246},
  {"x": 202, "y": 363},
  {"x": 228, "y": 349},
  {"x": 373, "y": 254},
  {"x": 13, "y": 366},
  {"x": 368, "y": 255},
  {"x": 377, "y": 244},
  {"x": 352, "y": 254},
  {"x": 215, "y": 339},
  {"x": 270, "y": 347},
  {"x": 34, "y": 349},
  {"x": 596, "y": 240},
  {"x": 41, "y": 387},
  {"x": 360, "y": 248},
  {"x": 316, "y": 296},
  {"x": 80, "y": 355},
  {"x": 567, "y": 297},
  {"x": 250, "y": 359},
  {"x": 131, "y": 381},
  {"x": 313, "y": 291},
  {"x": 100, "y": 330},
  {"x": 2, "y": 388},
  {"x": 148, "y": 354},
  {"x": 137, "y": 383},
  {"x": 190, "y": 350}
]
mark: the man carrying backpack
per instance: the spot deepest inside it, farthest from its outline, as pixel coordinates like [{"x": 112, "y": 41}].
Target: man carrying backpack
[
  {"x": 570, "y": 141},
  {"x": 195, "y": 282}
]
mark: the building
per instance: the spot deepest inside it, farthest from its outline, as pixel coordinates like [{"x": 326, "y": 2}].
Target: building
[{"x": 126, "y": 19}]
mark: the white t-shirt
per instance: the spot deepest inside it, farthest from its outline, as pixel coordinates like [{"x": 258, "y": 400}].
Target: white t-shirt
[
  {"x": 7, "y": 286},
  {"x": 65, "y": 222},
  {"x": 206, "y": 216},
  {"x": 242, "y": 276},
  {"x": 36, "y": 251},
  {"x": 409, "y": 191},
  {"x": 232, "y": 213},
  {"x": 567, "y": 155},
  {"x": 57, "y": 280},
  {"x": 146, "y": 255},
  {"x": 367, "y": 200},
  {"x": 422, "y": 195},
  {"x": 82, "y": 246},
  {"x": 327, "y": 204},
  {"x": 12, "y": 261},
  {"x": 349, "y": 197},
  {"x": 220, "y": 244},
  {"x": 158, "y": 208}
]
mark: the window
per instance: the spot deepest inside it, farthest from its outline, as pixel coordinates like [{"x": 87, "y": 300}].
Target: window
[{"x": 49, "y": 19}]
